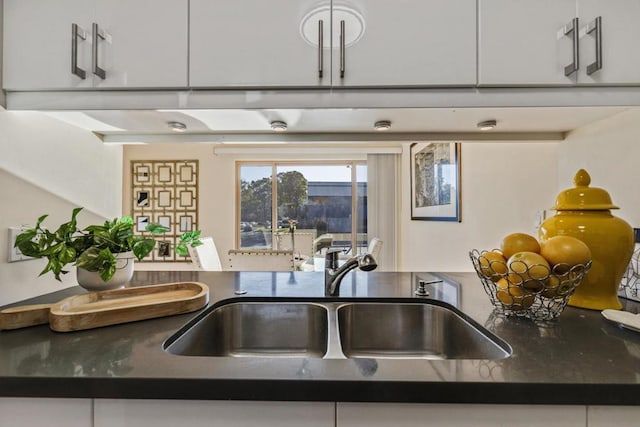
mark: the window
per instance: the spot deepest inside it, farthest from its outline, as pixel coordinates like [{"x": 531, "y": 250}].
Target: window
[{"x": 327, "y": 201}]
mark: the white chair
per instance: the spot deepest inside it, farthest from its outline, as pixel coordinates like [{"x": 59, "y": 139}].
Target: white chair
[
  {"x": 631, "y": 279},
  {"x": 303, "y": 243},
  {"x": 206, "y": 255},
  {"x": 375, "y": 246},
  {"x": 260, "y": 260},
  {"x": 322, "y": 242}
]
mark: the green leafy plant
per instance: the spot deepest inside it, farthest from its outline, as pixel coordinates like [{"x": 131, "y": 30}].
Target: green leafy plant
[
  {"x": 93, "y": 248},
  {"x": 190, "y": 238}
]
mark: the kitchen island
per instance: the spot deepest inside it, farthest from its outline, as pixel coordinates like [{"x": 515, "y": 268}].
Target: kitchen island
[{"x": 579, "y": 360}]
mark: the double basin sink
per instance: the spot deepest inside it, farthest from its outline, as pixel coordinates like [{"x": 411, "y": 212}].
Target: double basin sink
[{"x": 336, "y": 329}]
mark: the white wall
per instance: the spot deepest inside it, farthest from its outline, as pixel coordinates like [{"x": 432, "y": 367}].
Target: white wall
[
  {"x": 2, "y": 95},
  {"x": 610, "y": 151},
  {"x": 23, "y": 203},
  {"x": 47, "y": 166},
  {"x": 62, "y": 159},
  {"x": 503, "y": 186},
  {"x": 217, "y": 201}
]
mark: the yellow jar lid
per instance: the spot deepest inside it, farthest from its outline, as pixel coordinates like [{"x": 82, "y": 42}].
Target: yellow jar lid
[{"x": 583, "y": 197}]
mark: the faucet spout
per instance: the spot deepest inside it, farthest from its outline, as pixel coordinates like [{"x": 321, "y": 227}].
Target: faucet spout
[{"x": 333, "y": 274}]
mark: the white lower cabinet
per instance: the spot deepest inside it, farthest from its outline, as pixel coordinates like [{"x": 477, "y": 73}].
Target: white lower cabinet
[
  {"x": 459, "y": 415},
  {"x": 53, "y": 412},
  {"x": 21, "y": 411},
  {"x": 196, "y": 413},
  {"x": 618, "y": 416}
]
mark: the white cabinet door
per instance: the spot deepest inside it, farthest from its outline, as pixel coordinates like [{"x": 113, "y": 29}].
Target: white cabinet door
[
  {"x": 443, "y": 415},
  {"x": 145, "y": 43},
  {"x": 38, "y": 44},
  {"x": 406, "y": 43},
  {"x": 401, "y": 43},
  {"x": 17, "y": 411},
  {"x": 522, "y": 42},
  {"x": 618, "y": 416},
  {"x": 200, "y": 413},
  {"x": 620, "y": 37},
  {"x": 258, "y": 43}
]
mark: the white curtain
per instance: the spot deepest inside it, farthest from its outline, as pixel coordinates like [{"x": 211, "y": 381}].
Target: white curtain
[{"x": 383, "y": 201}]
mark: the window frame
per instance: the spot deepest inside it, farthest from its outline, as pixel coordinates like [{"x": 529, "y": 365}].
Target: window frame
[{"x": 353, "y": 164}]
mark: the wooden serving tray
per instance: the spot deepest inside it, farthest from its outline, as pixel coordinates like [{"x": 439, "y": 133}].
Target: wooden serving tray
[{"x": 105, "y": 308}]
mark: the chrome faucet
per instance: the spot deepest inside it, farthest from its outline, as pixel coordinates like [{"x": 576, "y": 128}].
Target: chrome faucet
[{"x": 333, "y": 275}]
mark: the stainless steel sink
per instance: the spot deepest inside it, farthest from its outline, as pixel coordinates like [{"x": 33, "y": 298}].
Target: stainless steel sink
[
  {"x": 412, "y": 331},
  {"x": 257, "y": 329},
  {"x": 336, "y": 329}
]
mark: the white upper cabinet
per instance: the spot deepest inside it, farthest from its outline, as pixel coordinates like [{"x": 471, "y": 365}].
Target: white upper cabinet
[
  {"x": 259, "y": 43},
  {"x": 38, "y": 44},
  {"x": 406, "y": 43},
  {"x": 534, "y": 43},
  {"x": 620, "y": 35},
  {"x": 292, "y": 43},
  {"x": 146, "y": 43},
  {"x": 522, "y": 42},
  {"x": 68, "y": 44}
]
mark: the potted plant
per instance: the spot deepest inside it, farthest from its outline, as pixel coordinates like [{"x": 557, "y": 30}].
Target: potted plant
[{"x": 105, "y": 250}]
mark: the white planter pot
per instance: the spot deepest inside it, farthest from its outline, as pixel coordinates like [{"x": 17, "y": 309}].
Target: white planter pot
[{"x": 91, "y": 280}]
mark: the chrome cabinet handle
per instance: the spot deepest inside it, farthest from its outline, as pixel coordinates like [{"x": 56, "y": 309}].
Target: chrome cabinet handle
[
  {"x": 572, "y": 28},
  {"x": 94, "y": 57},
  {"x": 342, "y": 49},
  {"x": 76, "y": 32},
  {"x": 596, "y": 26},
  {"x": 320, "y": 46}
]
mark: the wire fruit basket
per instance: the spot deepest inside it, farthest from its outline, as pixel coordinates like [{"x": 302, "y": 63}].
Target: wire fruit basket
[{"x": 535, "y": 292}]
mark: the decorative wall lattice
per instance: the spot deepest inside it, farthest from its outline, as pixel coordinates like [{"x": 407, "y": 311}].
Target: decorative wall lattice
[{"x": 165, "y": 192}]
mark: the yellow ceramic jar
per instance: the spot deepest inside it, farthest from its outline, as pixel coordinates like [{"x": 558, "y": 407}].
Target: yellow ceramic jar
[{"x": 585, "y": 212}]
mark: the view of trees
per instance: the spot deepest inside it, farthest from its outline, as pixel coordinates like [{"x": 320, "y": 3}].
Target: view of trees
[
  {"x": 292, "y": 193},
  {"x": 255, "y": 197}
]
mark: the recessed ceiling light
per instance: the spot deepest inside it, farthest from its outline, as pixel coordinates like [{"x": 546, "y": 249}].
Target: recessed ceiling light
[
  {"x": 382, "y": 125},
  {"x": 177, "y": 126},
  {"x": 278, "y": 126},
  {"x": 487, "y": 125}
]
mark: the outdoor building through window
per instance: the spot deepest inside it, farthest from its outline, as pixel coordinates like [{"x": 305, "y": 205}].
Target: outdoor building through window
[{"x": 307, "y": 207}]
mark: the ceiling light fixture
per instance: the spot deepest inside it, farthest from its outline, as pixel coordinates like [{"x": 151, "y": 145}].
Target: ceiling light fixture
[
  {"x": 278, "y": 126},
  {"x": 177, "y": 126},
  {"x": 382, "y": 125},
  {"x": 487, "y": 125}
]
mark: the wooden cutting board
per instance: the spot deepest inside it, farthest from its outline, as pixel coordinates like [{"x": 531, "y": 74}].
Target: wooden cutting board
[{"x": 105, "y": 308}]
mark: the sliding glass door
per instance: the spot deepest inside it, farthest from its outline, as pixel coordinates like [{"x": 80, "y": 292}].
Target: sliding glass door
[{"x": 327, "y": 201}]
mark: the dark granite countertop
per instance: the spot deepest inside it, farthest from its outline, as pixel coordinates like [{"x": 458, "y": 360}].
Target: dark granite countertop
[{"x": 579, "y": 359}]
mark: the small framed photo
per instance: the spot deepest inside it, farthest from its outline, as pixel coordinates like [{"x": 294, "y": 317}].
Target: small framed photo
[
  {"x": 142, "y": 173},
  {"x": 165, "y": 221},
  {"x": 164, "y": 249},
  {"x": 142, "y": 222},
  {"x": 186, "y": 223},
  {"x": 142, "y": 200},
  {"x": 435, "y": 181}
]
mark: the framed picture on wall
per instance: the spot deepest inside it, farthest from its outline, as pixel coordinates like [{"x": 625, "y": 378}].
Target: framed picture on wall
[{"x": 435, "y": 181}]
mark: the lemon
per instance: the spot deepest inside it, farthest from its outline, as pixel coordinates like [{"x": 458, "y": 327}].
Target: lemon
[
  {"x": 492, "y": 265},
  {"x": 518, "y": 242},
  {"x": 513, "y": 297},
  {"x": 565, "y": 250}
]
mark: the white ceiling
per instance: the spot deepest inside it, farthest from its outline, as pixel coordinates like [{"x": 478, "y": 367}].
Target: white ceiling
[{"x": 151, "y": 124}]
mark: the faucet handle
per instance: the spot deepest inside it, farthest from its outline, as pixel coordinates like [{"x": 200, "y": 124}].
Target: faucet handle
[{"x": 331, "y": 258}]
